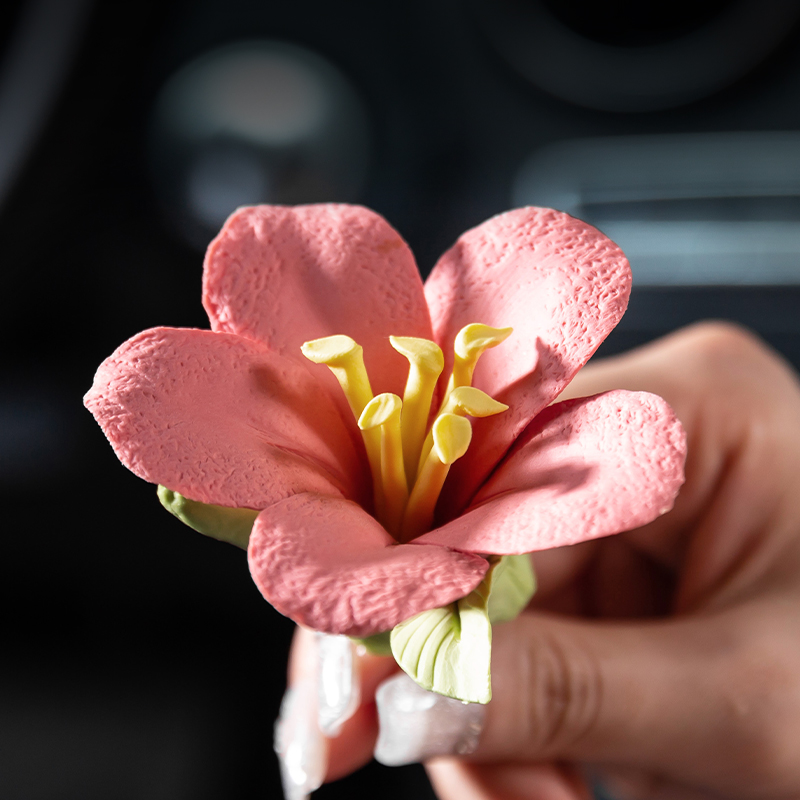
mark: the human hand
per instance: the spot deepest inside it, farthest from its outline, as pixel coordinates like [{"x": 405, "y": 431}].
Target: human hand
[{"x": 664, "y": 660}]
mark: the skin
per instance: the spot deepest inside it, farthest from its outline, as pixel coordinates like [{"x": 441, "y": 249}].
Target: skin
[{"x": 664, "y": 661}]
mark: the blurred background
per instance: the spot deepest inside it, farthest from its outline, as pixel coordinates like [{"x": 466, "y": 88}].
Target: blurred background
[{"x": 138, "y": 660}]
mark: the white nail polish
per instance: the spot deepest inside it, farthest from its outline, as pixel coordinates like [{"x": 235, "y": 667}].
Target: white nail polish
[
  {"x": 416, "y": 725},
  {"x": 298, "y": 742},
  {"x": 337, "y": 684}
]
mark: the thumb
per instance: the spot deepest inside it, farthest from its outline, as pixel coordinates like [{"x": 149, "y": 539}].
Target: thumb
[{"x": 658, "y": 695}]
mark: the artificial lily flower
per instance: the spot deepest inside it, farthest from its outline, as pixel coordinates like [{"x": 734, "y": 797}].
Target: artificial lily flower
[{"x": 252, "y": 414}]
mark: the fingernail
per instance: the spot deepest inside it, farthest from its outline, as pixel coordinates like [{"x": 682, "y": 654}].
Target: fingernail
[
  {"x": 299, "y": 743},
  {"x": 338, "y": 689},
  {"x": 416, "y": 725}
]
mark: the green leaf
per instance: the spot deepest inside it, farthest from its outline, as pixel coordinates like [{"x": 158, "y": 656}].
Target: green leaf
[
  {"x": 378, "y": 644},
  {"x": 449, "y": 650},
  {"x": 219, "y": 522},
  {"x": 513, "y": 585}
]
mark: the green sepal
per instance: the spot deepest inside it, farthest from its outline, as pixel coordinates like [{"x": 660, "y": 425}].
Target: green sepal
[
  {"x": 513, "y": 586},
  {"x": 449, "y": 650},
  {"x": 219, "y": 522},
  {"x": 378, "y": 644}
]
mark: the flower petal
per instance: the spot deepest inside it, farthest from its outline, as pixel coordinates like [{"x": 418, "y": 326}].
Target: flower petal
[
  {"x": 222, "y": 420},
  {"x": 284, "y": 276},
  {"x": 330, "y": 566},
  {"x": 583, "y": 469},
  {"x": 560, "y": 283}
]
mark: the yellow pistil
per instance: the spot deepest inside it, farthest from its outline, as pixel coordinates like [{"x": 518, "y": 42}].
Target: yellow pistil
[
  {"x": 426, "y": 363},
  {"x": 471, "y": 342},
  {"x": 451, "y": 437},
  {"x": 465, "y": 401},
  {"x": 345, "y": 359},
  {"x": 384, "y": 412}
]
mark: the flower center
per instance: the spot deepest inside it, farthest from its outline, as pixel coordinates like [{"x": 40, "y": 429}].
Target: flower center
[{"x": 410, "y": 461}]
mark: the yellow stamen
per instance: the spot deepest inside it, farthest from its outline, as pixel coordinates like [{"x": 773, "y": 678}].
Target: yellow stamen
[
  {"x": 384, "y": 412},
  {"x": 471, "y": 342},
  {"x": 464, "y": 401},
  {"x": 451, "y": 437},
  {"x": 426, "y": 363},
  {"x": 345, "y": 359},
  {"x": 393, "y": 430}
]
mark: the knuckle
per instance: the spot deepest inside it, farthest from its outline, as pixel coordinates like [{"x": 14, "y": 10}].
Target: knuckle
[
  {"x": 566, "y": 691},
  {"x": 736, "y": 367},
  {"x": 721, "y": 343}
]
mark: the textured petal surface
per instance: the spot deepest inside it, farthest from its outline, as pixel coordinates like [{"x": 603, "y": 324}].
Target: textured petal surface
[
  {"x": 285, "y": 275},
  {"x": 222, "y": 420},
  {"x": 330, "y": 566},
  {"x": 583, "y": 469},
  {"x": 560, "y": 283}
]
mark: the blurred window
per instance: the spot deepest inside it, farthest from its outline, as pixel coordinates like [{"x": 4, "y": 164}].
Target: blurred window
[{"x": 688, "y": 210}]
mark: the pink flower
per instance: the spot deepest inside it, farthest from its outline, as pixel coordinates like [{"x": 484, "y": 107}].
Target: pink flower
[{"x": 236, "y": 416}]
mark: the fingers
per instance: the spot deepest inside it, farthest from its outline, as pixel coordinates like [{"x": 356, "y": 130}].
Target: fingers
[{"x": 707, "y": 701}]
